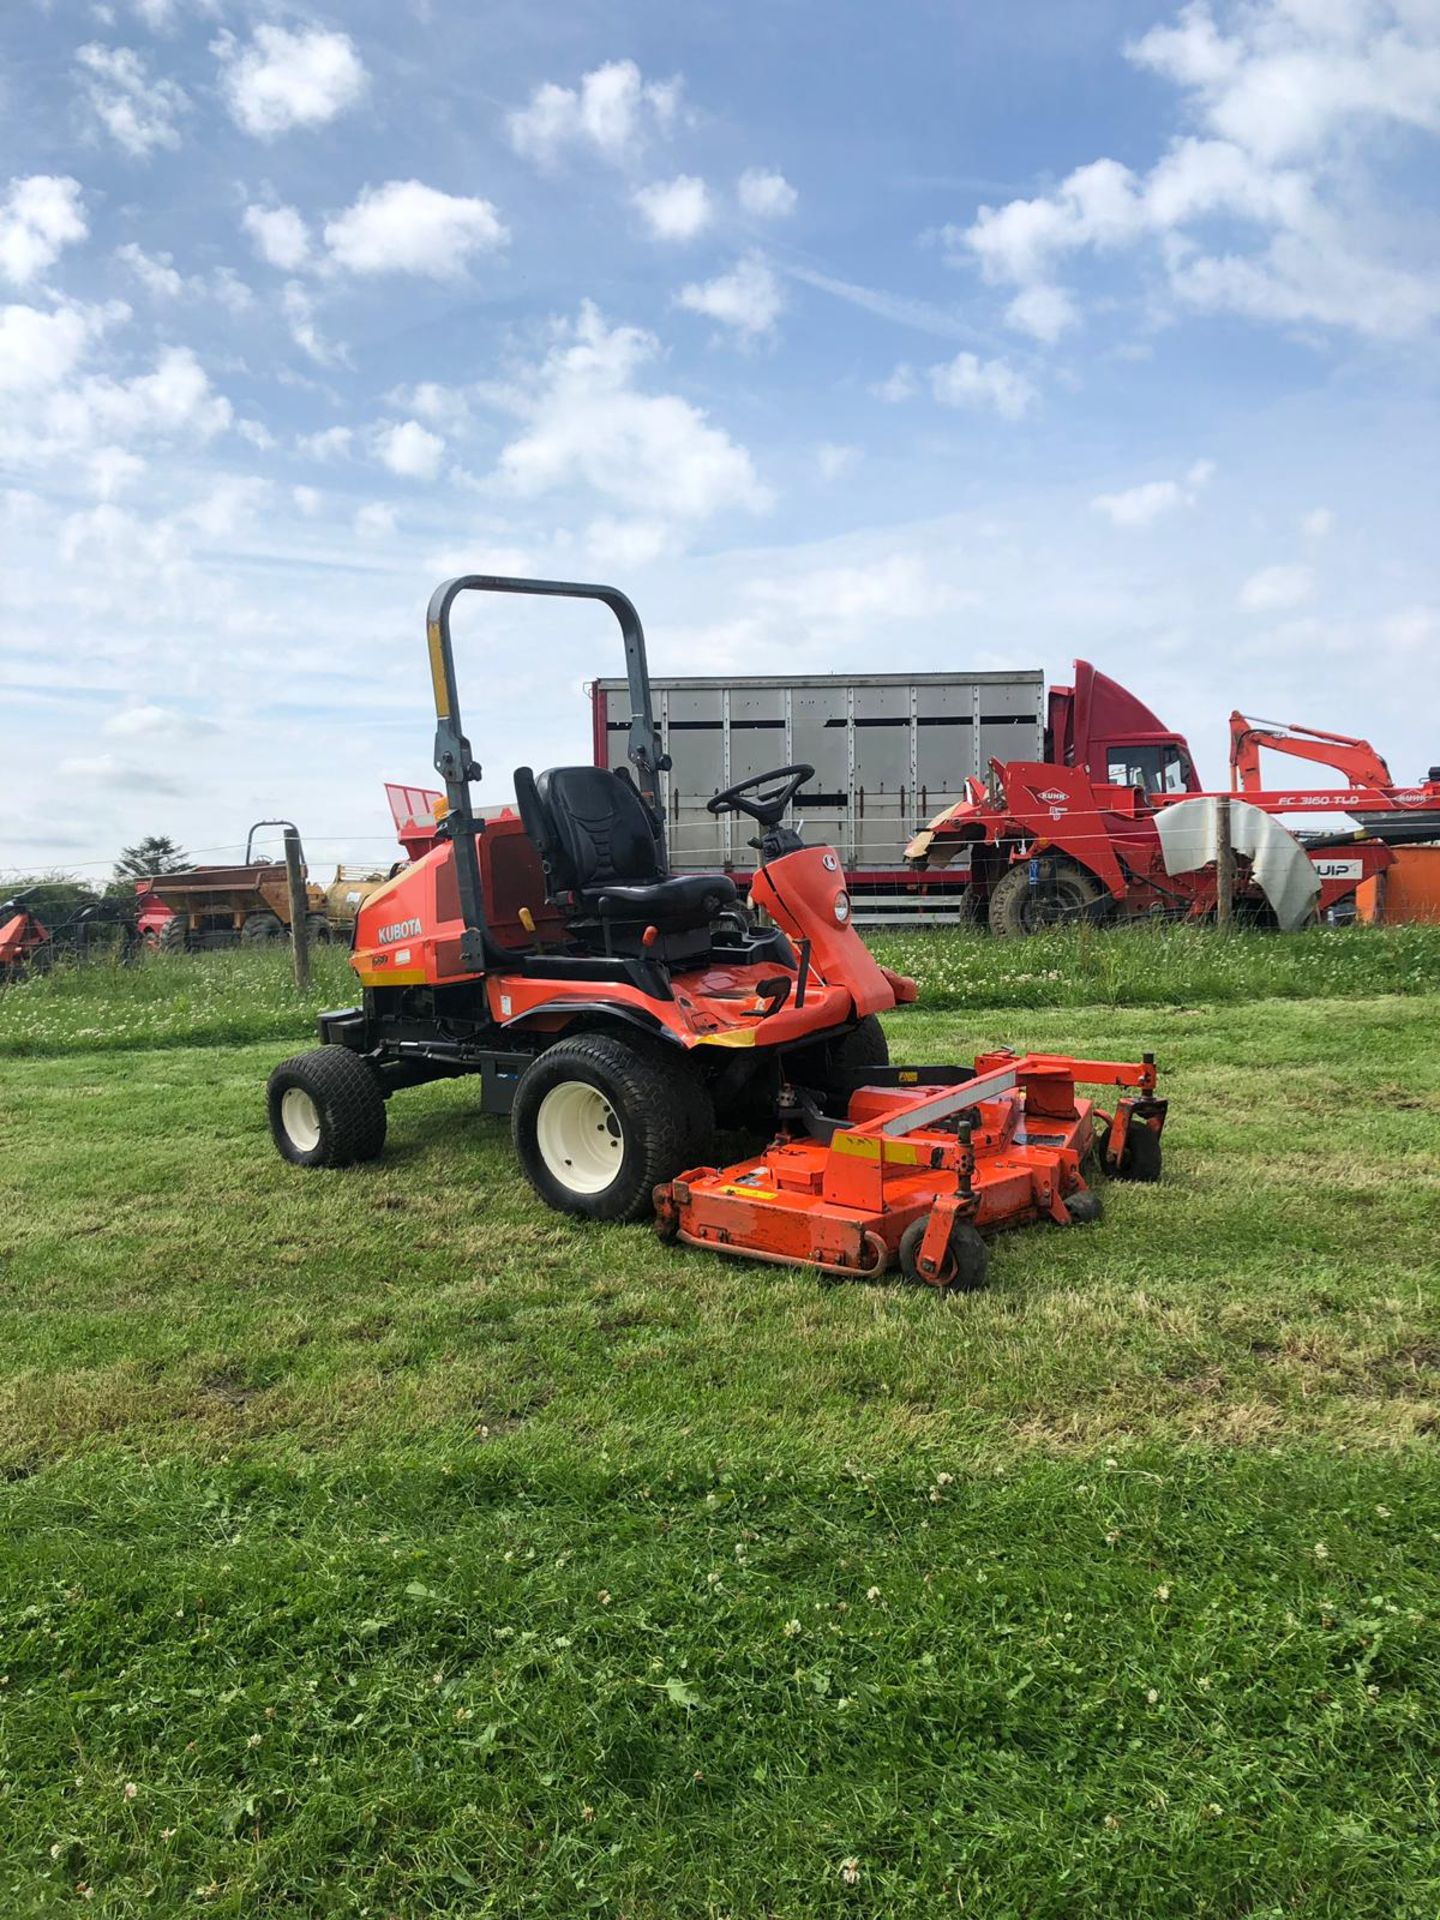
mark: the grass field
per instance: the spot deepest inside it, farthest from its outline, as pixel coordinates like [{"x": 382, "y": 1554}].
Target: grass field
[{"x": 377, "y": 1543}]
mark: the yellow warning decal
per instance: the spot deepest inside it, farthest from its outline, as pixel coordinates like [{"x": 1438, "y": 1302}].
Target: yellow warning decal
[
  {"x": 739, "y": 1037},
  {"x": 437, "y": 671},
  {"x": 392, "y": 977}
]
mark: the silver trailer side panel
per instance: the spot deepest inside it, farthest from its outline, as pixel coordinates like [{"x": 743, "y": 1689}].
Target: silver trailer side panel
[{"x": 889, "y": 752}]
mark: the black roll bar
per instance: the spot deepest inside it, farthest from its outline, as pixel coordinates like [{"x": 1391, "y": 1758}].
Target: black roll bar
[
  {"x": 250, "y": 837},
  {"x": 454, "y": 761}
]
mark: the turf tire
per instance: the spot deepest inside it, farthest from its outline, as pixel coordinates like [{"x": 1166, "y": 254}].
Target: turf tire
[
  {"x": 648, "y": 1104},
  {"x": 335, "y": 1115},
  {"x": 827, "y": 1066}
]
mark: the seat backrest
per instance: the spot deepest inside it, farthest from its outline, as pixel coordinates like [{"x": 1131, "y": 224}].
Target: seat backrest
[{"x": 595, "y": 831}]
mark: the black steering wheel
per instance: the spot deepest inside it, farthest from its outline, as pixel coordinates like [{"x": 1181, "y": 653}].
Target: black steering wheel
[{"x": 766, "y": 808}]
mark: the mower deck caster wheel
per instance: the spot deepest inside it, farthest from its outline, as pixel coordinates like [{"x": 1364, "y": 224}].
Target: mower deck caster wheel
[
  {"x": 1084, "y": 1208},
  {"x": 966, "y": 1258},
  {"x": 1141, "y": 1158}
]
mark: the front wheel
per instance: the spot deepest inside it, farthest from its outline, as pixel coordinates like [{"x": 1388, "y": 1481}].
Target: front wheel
[
  {"x": 833, "y": 1067},
  {"x": 599, "y": 1123},
  {"x": 326, "y": 1109},
  {"x": 262, "y": 929}
]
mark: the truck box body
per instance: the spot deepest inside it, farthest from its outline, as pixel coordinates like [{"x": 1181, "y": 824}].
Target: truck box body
[{"x": 889, "y": 752}]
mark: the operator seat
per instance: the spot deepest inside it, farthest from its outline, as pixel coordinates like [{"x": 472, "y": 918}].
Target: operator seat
[{"x": 601, "y": 852}]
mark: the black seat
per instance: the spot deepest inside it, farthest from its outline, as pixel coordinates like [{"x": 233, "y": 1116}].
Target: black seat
[{"x": 601, "y": 849}]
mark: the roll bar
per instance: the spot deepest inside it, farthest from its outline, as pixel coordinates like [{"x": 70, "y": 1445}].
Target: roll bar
[
  {"x": 454, "y": 761},
  {"x": 250, "y": 837}
]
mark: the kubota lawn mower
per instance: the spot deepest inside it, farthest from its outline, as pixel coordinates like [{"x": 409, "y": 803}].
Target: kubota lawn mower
[{"x": 616, "y": 1010}]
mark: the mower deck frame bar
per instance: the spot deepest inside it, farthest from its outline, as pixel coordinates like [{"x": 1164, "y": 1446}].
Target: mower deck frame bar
[{"x": 994, "y": 1081}]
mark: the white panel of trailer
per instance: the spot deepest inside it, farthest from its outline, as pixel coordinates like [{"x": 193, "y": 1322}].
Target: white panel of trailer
[{"x": 889, "y": 752}]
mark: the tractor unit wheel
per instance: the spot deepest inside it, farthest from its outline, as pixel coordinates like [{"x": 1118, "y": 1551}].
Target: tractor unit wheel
[
  {"x": 1066, "y": 894},
  {"x": 261, "y": 929},
  {"x": 828, "y": 1067},
  {"x": 599, "y": 1123},
  {"x": 965, "y": 1263},
  {"x": 326, "y": 1109}
]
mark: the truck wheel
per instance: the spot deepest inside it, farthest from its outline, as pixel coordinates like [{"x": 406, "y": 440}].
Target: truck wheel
[
  {"x": 326, "y": 1109},
  {"x": 598, "y": 1124},
  {"x": 970, "y": 910},
  {"x": 174, "y": 936},
  {"x": 1069, "y": 893},
  {"x": 966, "y": 1258},
  {"x": 317, "y": 929},
  {"x": 828, "y": 1067},
  {"x": 260, "y": 929}
]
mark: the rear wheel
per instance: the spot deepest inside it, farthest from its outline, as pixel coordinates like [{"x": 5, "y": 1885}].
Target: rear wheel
[
  {"x": 966, "y": 1257},
  {"x": 260, "y": 929},
  {"x": 326, "y": 1108},
  {"x": 599, "y": 1123},
  {"x": 317, "y": 929},
  {"x": 174, "y": 936},
  {"x": 1063, "y": 895}
]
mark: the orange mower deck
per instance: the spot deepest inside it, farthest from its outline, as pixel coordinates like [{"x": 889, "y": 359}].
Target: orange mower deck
[{"x": 922, "y": 1166}]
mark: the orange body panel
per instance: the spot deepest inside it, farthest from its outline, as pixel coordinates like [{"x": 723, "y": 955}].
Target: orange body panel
[
  {"x": 408, "y": 934},
  {"x": 1409, "y": 890}
]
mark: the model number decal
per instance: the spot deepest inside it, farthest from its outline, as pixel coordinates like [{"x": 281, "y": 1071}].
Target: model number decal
[
  {"x": 401, "y": 930},
  {"x": 1337, "y": 869}
]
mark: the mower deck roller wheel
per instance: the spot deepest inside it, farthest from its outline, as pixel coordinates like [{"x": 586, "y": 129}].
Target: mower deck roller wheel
[
  {"x": 965, "y": 1263},
  {"x": 1064, "y": 896},
  {"x": 261, "y": 928},
  {"x": 326, "y": 1109},
  {"x": 599, "y": 1123},
  {"x": 1084, "y": 1208}
]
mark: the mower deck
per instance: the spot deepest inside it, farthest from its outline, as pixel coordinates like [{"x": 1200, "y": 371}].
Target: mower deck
[{"x": 961, "y": 1151}]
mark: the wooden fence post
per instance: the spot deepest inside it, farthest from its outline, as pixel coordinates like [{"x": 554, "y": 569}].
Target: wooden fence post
[
  {"x": 299, "y": 905},
  {"x": 1224, "y": 867}
]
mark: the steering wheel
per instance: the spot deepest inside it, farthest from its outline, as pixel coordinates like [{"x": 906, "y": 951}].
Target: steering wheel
[{"x": 766, "y": 808}]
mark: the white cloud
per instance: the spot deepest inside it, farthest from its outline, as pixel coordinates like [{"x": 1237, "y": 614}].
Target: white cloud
[
  {"x": 410, "y": 450},
  {"x": 1318, "y": 523},
  {"x": 1274, "y": 589},
  {"x": 331, "y": 443},
  {"x": 747, "y": 299},
  {"x": 113, "y": 470},
  {"x": 406, "y": 227},
  {"x": 138, "y": 113},
  {"x": 968, "y": 381},
  {"x": 613, "y": 113},
  {"x": 227, "y": 507},
  {"x": 299, "y": 310},
  {"x": 677, "y": 209},
  {"x": 623, "y": 545},
  {"x": 39, "y": 347},
  {"x": 156, "y": 272},
  {"x": 279, "y": 235},
  {"x": 283, "y": 80},
  {"x": 765, "y": 195},
  {"x": 40, "y": 216},
  {"x": 1042, "y": 312},
  {"x": 308, "y": 499},
  {"x": 896, "y": 586},
  {"x": 1264, "y": 214},
  {"x": 141, "y": 723},
  {"x": 375, "y": 521},
  {"x": 587, "y": 425},
  {"x": 833, "y": 461},
  {"x": 174, "y": 401},
  {"x": 1139, "y": 506},
  {"x": 898, "y": 386}
]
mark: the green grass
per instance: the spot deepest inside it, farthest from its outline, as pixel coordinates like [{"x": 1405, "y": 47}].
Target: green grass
[{"x": 410, "y": 1550}]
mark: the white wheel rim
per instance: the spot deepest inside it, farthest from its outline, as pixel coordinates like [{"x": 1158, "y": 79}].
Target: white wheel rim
[
  {"x": 580, "y": 1137},
  {"x": 300, "y": 1118}
]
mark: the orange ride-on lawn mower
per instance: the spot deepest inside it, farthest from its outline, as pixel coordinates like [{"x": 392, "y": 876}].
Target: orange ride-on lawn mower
[
  {"x": 614, "y": 1010},
  {"x": 609, "y": 1006}
]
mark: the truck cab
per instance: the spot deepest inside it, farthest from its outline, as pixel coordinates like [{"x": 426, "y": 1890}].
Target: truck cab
[{"x": 1100, "y": 727}]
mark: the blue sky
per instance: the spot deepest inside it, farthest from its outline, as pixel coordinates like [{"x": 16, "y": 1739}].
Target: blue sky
[{"x": 842, "y": 337}]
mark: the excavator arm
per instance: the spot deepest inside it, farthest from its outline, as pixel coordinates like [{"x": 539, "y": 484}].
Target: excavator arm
[{"x": 1355, "y": 759}]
